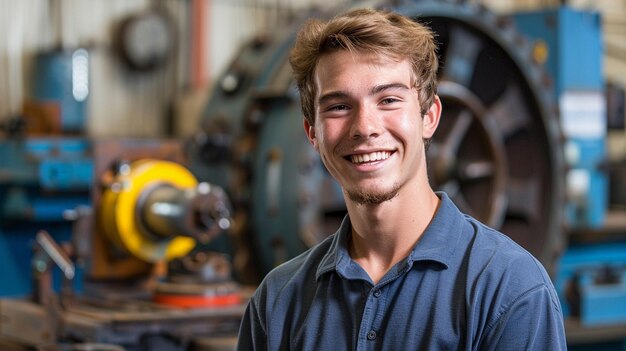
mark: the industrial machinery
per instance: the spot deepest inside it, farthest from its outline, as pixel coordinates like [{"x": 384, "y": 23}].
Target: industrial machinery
[
  {"x": 502, "y": 152},
  {"x": 591, "y": 276},
  {"x": 105, "y": 241},
  {"x": 127, "y": 226}
]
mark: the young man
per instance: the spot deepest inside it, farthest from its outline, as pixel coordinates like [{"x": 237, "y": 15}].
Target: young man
[{"x": 406, "y": 270}]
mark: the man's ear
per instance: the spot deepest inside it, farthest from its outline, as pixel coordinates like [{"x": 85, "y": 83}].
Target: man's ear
[
  {"x": 310, "y": 133},
  {"x": 431, "y": 119}
]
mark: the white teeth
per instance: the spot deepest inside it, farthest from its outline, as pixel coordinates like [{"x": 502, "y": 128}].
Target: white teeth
[{"x": 371, "y": 157}]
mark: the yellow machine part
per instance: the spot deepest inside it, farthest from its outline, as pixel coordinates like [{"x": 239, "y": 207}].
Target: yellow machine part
[{"x": 119, "y": 208}]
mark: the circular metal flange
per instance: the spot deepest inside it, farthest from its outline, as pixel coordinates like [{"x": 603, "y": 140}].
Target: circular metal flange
[
  {"x": 467, "y": 156},
  {"x": 118, "y": 211},
  {"x": 497, "y": 150}
]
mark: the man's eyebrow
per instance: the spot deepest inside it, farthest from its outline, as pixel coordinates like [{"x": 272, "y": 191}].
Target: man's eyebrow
[
  {"x": 380, "y": 88},
  {"x": 332, "y": 95}
]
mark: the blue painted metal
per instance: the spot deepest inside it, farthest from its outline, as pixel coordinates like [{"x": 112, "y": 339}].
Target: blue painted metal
[
  {"x": 51, "y": 163},
  {"x": 66, "y": 174},
  {"x": 603, "y": 303},
  {"x": 17, "y": 244},
  {"x": 63, "y": 77},
  {"x": 574, "y": 42},
  {"x": 583, "y": 267},
  {"x": 29, "y": 204},
  {"x": 575, "y": 50},
  {"x": 40, "y": 180},
  {"x": 16, "y": 281},
  {"x": 591, "y": 211}
]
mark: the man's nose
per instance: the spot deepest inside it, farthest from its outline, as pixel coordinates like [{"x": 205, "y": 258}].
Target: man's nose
[{"x": 366, "y": 123}]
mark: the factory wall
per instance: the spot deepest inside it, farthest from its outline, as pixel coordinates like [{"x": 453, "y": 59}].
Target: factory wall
[
  {"x": 168, "y": 100},
  {"x": 122, "y": 102}
]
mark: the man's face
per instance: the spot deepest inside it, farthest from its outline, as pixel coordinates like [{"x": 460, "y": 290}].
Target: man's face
[{"x": 368, "y": 127}]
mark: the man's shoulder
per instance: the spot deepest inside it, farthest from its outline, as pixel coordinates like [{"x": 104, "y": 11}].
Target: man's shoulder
[
  {"x": 506, "y": 281},
  {"x": 298, "y": 271},
  {"x": 496, "y": 256}
]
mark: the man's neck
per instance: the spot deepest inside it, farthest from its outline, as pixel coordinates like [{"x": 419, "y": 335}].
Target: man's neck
[{"x": 384, "y": 234}]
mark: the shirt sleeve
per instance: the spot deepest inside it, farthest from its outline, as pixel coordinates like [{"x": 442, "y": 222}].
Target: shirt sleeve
[
  {"x": 533, "y": 322},
  {"x": 252, "y": 332}
]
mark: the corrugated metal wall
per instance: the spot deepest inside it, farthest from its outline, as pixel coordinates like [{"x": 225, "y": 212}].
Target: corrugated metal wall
[
  {"x": 138, "y": 105},
  {"x": 123, "y": 103}
]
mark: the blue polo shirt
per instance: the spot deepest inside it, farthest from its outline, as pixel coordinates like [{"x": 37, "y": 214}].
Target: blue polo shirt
[{"x": 464, "y": 286}]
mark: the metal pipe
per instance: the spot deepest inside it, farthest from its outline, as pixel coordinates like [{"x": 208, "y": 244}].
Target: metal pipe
[{"x": 201, "y": 212}]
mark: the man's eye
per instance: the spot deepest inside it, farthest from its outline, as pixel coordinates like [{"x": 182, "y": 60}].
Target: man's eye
[
  {"x": 338, "y": 108},
  {"x": 388, "y": 101}
]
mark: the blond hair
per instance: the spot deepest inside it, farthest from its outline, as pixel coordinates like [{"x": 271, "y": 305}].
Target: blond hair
[{"x": 365, "y": 30}]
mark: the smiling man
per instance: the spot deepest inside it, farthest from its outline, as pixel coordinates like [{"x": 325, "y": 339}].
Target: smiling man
[{"x": 406, "y": 270}]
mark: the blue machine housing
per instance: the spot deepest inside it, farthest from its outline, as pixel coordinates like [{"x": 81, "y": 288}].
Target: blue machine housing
[
  {"x": 574, "y": 42},
  {"x": 42, "y": 181},
  {"x": 62, "y": 77},
  {"x": 591, "y": 279},
  {"x": 595, "y": 275}
]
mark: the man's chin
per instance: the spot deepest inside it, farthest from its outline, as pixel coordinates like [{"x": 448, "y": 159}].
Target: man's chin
[{"x": 365, "y": 197}]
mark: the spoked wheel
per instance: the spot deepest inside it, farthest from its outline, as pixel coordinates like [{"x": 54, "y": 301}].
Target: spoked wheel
[
  {"x": 467, "y": 156},
  {"x": 497, "y": 151}
]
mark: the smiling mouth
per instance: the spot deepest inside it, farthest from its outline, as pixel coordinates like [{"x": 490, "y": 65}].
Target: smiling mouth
[{"x": 371, "y": 157}]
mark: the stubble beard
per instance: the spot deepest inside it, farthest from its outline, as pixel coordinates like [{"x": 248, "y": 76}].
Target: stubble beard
[{"x": 365, "y": 197}]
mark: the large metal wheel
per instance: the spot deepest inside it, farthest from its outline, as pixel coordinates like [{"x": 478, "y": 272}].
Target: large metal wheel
[{"x": 497, "y": 151}]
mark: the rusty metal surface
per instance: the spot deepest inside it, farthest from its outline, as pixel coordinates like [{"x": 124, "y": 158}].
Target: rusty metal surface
[
  {"x": 114, "y": 322},
  {"x": 25, "y": 323}
]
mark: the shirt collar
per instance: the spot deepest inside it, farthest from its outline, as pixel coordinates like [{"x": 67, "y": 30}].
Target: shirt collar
[
  {"x": 338, "y": 252},
  {"x": 437, "y": 243},
  {"x": 440, "y": 237}
]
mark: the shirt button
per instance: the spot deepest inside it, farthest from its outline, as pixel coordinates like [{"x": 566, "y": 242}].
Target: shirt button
[
  {"x": 371, "y": 335},
  {"x": 377, "y": 293}
]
